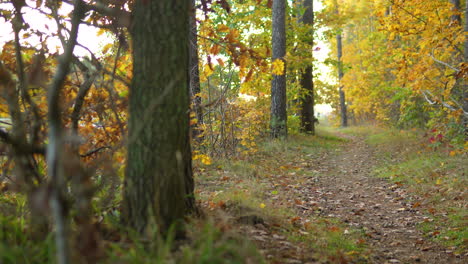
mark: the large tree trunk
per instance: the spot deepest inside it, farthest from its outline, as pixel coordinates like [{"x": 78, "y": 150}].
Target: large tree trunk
[
  {"x": 307, "y": 83},
  {"x": 278, "y": 121},
  {"x": 194, "y": 70},
  {"x": 158, "y": 188}
]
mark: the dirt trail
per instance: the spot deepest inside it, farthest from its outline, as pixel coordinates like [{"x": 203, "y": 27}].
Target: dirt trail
[{"x": 346, "y": 189}]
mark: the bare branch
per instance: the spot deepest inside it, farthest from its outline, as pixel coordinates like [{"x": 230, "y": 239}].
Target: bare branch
[
  {"x": 444, "y": 63},
  {"x": 443, "y": 103},
  {"x": 79, "y": 101},
  {"x": 122, "y": 17},
  {"x": 427, "y": 99},
  {"x": 21, "y": 147},
  {"x": 94, "y": 151}
]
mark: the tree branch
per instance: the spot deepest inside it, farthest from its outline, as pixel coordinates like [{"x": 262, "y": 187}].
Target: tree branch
[
  {"x": 122, "y": 17},
  {"x": 444, "y": 63},
  {"x": 79, "y": 100},
  {"x": 445, "y": 104},
  {"x": 94, "y": 151},
  {"x": 21, "y": 147},
  {"x": 54, "y": 148}
]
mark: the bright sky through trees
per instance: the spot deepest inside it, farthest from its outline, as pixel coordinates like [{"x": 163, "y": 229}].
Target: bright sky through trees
[{"x": 87, "y": 35}]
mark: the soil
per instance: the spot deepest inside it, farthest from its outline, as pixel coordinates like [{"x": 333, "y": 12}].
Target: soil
[{"x": 345, "y": 188}]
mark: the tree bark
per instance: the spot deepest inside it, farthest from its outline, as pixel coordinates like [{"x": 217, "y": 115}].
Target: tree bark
[
  {"x": 158, "y": 187},
  {"x": 339, "y": 45},
  {"x": 456, "y": 8},
  {"x": 194, "y": 70},
  {"x": 343, "y": 111},
  {"x": 465, "y": 60},
  {"x": 55, "y": 148},
  {"x": 278, "y": 118},
  {"x": 307, "y": 82}
]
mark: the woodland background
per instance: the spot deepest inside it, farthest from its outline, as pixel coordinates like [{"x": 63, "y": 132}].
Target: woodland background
[{"x": 393, "y": 64}]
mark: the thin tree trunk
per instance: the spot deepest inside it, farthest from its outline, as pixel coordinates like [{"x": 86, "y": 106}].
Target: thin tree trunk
[
  {"x": 278, "y": 118},
  {"x": 339, "y": 44},
  {"x": 460, "y": 91},
  {"x": 456, "y": 8},
  {"x": 158, "y": 188},
  {"x": 194, "y": 70},
  {"x": 344, "y": 116},
  {"x": 465, "y": 58},
  {"x": 307, "y": 83},
  {"x": 55, "y": 147}
]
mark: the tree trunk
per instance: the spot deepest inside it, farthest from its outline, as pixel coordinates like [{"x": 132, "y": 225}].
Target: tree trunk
[
  {"x": 465, "y": 60},
  {"x": 307, "y": 83},
  {"x": 456, "y": 8},
  {"x": 344, "y": 116},
  {"x": 339, "y": 45},
  {"x": 158, "y": 188},
  {"x": 278, "y": 121},
  {"x": 194, "y": 70}
]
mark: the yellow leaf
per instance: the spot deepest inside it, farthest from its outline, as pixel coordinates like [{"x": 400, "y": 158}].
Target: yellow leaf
[
  {"x": 262, "y": 205},
  {"x": 439, "y": 181},
  {"x": 100, "y": 32},
  {"x": 207, "y": 70},
  {"x": 223, "y": 28},
  {"x": 106, "y": 48},
  {"x": 452, "y": 153},
  {"x": 277, "y": 67},
  {"x": 206, "y": 160}
]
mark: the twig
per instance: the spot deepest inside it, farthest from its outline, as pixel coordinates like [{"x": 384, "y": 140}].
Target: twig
[{"x": 94, "y": 151}]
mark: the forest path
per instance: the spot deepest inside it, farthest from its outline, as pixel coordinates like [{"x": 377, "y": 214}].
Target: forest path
[{"x": 347, "y": 189}]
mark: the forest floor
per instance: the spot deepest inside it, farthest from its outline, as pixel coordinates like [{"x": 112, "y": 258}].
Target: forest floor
[
  {"x": 356, "y": 195},
  {"x": 320, "y": 201}
]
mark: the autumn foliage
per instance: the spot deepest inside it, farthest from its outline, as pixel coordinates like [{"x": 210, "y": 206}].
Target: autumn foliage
[{"x": 405, "y": 63}]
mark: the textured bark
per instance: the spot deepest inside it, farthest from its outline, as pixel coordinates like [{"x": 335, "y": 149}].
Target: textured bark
[
  {"x": 307, "y": 83},
  {"x": 194, "y": 69},
  {"x": 278, "y": 118},
  {"x": 158, "y": 188}
]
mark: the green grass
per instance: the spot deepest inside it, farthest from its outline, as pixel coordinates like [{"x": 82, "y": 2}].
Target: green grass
[
  {"x": 439, "y": 179},
  {"x": 355, "y": 130},
  {"x": 333, "y": 240},
  {"x": 17, "y": 245}
]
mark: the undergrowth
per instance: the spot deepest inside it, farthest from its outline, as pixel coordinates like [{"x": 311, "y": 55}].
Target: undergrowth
[
  {"x": 259, "y": 186},
  {"x": 435, "y": 173}
]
